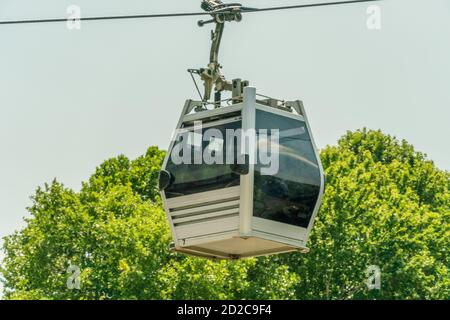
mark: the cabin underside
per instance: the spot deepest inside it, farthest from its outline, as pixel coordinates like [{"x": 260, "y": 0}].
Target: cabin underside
[{"x": 238, "y": 248}]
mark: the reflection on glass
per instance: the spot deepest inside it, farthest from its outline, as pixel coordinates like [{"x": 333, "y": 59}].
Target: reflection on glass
[
  {"x": 195, "y": 178},
  {"x": 290, "y": 195}
]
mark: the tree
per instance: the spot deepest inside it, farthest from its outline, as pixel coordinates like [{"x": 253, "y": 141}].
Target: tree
[
  {"x": 384, "y": 205},
  {"x": 115, "y": 232}
]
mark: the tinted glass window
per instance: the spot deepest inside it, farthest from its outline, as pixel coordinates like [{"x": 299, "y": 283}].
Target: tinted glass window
[
  {"x": 290, "y": 195},
  {"x": 190, "y": 178}
]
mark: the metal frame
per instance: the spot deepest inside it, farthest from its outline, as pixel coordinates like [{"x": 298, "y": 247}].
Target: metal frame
[{"x": 247, "y": 181}]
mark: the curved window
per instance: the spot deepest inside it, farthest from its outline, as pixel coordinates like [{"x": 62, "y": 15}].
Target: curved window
[
  {"x": 193, "y": 177},
  {"x": 290, "y": 195}
]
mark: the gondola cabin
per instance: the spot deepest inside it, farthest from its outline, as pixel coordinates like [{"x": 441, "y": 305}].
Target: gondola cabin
[{"x": 242, "y": 180}]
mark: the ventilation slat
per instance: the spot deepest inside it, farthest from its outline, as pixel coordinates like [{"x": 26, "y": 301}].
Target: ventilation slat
[
  {"x": 222, "y": 224},
  {"x": 204, "y": 217},
  {"x": 205, "y": 209},
  {"x": 200, "y": 199},
  {"x": 205, "y": 213}
]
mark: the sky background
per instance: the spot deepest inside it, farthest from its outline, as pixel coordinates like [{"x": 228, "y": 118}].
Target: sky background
[{"x": 71, "y": 99}]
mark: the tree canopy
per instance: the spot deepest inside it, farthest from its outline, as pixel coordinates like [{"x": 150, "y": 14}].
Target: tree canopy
[{"x": 385, "y": 205}]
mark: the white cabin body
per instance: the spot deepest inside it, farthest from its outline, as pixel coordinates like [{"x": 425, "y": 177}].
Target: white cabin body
[{"x": 240, "y": 210}]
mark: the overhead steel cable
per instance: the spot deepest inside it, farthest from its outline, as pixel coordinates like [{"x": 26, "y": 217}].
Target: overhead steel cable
[
  {"x": 186, "y": 14},
  {"x": 310, "y": 5},
  {"x": 140, "y": 16}
]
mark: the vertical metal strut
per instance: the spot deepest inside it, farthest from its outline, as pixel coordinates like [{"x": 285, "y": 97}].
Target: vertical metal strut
[{"x": 211, "y": 75}]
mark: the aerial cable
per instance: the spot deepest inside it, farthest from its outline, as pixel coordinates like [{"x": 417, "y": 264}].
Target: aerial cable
[
  {"x": 300, "y": 6},
  {"x": 185, "y": 14}
]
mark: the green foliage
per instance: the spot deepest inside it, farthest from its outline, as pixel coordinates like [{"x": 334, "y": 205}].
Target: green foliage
[
  {"x": 384, "y": 205},
  {"x": 116, "y": 232}
]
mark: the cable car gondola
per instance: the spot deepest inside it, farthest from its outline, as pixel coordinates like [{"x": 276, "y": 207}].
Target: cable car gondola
[
  {"x": 242, "y": 176},
  {"x": 221, "y": 199}
]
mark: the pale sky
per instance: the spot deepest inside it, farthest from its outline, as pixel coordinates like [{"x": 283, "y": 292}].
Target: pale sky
[{"x": 71, "y": 99}]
